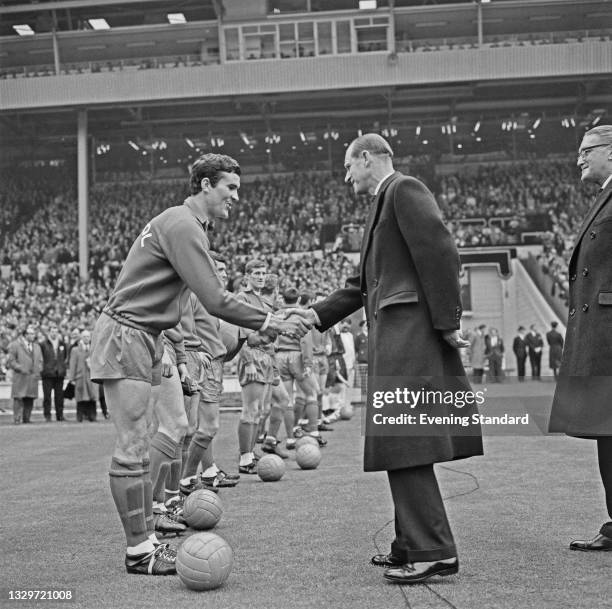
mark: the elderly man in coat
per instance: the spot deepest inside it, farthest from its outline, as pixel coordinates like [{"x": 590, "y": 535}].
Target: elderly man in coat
[
  {"x": 85, "y": 390},
  {"x": 25, "y": 360},
  {"x": 581, "y": 406},
  {"x": 409, "y": 286}
]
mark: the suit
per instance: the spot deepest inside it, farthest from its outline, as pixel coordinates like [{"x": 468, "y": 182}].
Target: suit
[
  {"x": 519, "y": 347},
  {"x": 26, "y": 363},
  {"x": 534, "y": 351},
  {"x": 478, "y": 358},
  {"x": 581, "y": 404},
  {"x": 408, "y": 285},
  {"x": 53, "y": 373},
  {"x": 494, "y": 348}
]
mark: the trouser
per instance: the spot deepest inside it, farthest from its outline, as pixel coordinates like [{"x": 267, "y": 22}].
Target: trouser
[
  {"x": 22, "y": 410},
  {"x": 86, "y": 409},
  {"x": 53, "y": 384},
  {"x": 422, "y": 530},
  {"x": 604, "y": 455},
  {"x": 535, "y": 361},
  {"x": 520, "y": 367}
]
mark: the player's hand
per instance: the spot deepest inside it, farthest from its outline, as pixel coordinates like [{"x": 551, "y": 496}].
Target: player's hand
[
  {"x": 251, "y": 373},
  {"x": 455, "y": 339},
  {"x": 308, "y": 314},
  {"x": 307, "y": 371},
  {"x": 205, "y": 360},
  {"x": 182, "y": 370},
  {"x": 166, "y": 365},
  {"x": 294, "y": 325}
]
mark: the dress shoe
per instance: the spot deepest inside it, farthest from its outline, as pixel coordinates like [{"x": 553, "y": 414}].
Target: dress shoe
[
  {"x": 387, "y": 560},
  {"x": 417, "y": 572},
  {"x": 601, "y": 543}
]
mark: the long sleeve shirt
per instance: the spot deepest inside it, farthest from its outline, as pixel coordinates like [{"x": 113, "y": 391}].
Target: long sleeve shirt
[{"x": 168, "y": 257}]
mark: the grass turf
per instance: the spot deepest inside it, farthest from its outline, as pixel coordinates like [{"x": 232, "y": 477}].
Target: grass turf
[{"x": 306, "y": 540}]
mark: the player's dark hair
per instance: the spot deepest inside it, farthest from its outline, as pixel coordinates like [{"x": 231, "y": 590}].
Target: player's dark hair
[
  {"x": 290, "y": 296},
  {"x": 251, "y": 265},
  {"x": 305, "y": 299},
  {"x": 217, "y": 257},
  {"x": 209, "y": 166}
]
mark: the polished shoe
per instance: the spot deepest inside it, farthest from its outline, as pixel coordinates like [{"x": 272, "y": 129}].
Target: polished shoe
[
  {"x": 601, "y": 543},
  {"x": 387, "y": 560},
  {"x": 159, "y": 562},
  {"x": 417, "y": 572}
]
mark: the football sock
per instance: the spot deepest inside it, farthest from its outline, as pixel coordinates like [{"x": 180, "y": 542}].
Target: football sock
[
  {"x": 174, "y": 476},
  {"x": 127, "y": 489},
  {"x": 162, "y": 453},
  {"x": 148, "y": 496},
  {"x": 199, "y": 444},
  {"x": 185, "y": 450},
  {"x": 312, "y": 412},
  {"x": 208, "y": 458},
  {"x": 298, "y": 409},
  {"x": 244, "y": 436}
]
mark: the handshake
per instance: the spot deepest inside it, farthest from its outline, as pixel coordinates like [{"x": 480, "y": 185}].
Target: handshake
[{"x": 292, "y": 322}]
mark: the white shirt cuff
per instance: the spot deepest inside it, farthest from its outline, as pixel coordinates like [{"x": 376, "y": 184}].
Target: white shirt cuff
[
  {"x": 317, "y": 318},
  {"x": 266, "y": 323}
]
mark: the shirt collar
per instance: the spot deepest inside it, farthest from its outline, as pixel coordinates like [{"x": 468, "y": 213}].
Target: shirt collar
[
  {"x": 381, "y": 182},
  {"x": 201, "y": 217},
  {"x": 606, "y": 182}
]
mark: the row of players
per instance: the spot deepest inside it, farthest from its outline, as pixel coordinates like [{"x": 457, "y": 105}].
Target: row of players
[
  {"x": 186, "y": 410},
  {"x": 169, "y": 274}
]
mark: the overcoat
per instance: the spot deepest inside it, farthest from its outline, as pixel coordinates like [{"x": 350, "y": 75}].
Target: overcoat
[
  {"x": 555, "y": 351},
  {"x": 581, "y": 405},
  {"x": 78, "y": 372},
  {"x": 409, "y": 286},
  {"x": 26, "y": 366}
]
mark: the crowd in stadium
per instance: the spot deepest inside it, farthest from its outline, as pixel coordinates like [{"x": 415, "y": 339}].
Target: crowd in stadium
[{"x": 276, "y": 218}]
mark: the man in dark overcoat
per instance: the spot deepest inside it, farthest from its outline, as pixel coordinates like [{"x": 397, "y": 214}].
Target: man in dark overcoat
[
  {"x": 581, "y": 406},
  {"x": 409, "y": 286},
  {"x": 554, "y": 338}
]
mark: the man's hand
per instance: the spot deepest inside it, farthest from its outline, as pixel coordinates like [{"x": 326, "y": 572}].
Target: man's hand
[
  {"x": 182, "y": 370},
  {"x": 166, "y": 365},
  {"x": 294, "y": 325},
  {"x": 307, "y": 371},
  {"x": 256, "y": 339},
  {"x": 205, "y": 360},
  {"x": 455, "y": 340},
  {"x": 251, "y": 373},
  {"x": 308, "y": 314}
]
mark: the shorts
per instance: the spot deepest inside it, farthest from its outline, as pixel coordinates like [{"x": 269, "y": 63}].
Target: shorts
[
  {"x": 211, "y": 388},
  {"x": 119, "y": 351},
  {"x": 194, "y": 365},
  {"x": 264, "y": 366},
  {"x": 290, "y": 365},
  {"x": 320, "y": 365}
]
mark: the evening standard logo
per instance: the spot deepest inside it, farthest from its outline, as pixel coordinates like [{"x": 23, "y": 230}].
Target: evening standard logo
[{"x": 427, "y": 397}]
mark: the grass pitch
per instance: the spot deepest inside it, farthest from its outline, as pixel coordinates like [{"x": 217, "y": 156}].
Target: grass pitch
[{"x": 306, "y": 540}]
